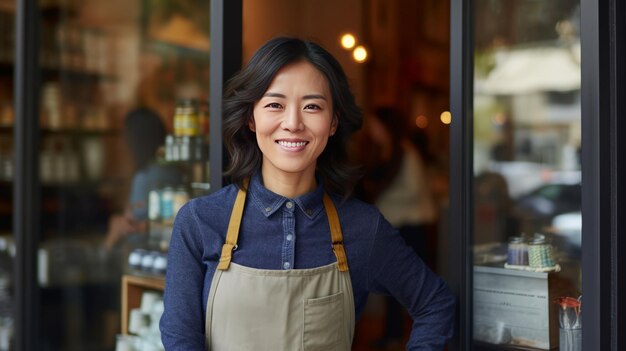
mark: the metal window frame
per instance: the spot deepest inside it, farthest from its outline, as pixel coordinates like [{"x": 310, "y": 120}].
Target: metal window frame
[
  {"x": 617, "y": 25},
  {"x": 596, "y": 174},
  {"x": 461, "y": 164},
  {"x": 26, "y": 184},
  {"x": 602, "y": 46},
  {"x": 226, "y": 52}
]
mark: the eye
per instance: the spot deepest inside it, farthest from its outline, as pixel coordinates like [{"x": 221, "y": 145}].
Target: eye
[
  {"x": 274, "y": 105},
  {"x": 312, "y": 107}
]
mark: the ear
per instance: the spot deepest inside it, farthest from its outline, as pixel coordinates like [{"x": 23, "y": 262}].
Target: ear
[
  {"x": 251, "y": 124},
  {"x": 334, "y": 124}
]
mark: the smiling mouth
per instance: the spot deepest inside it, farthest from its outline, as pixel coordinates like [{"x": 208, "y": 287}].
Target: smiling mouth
[{"x": 293, "y": 144}]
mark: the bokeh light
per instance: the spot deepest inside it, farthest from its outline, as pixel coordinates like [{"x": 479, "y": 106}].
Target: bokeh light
[
  {"x": 421, "y": 121},
  {"x": 348, "y": 41},
  {"x": 359, "y": 54},
  {"x": 446, "y": 117}
]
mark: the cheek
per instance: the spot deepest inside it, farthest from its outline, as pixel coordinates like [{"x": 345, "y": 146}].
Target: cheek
[{"x": 262, "y": 128}]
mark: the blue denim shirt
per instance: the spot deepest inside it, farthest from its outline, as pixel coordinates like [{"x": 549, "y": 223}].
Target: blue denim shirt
[{"x": 281, "y": 233}]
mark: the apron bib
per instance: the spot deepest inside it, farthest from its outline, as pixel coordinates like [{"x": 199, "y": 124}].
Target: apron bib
[{"x": 291, "y": 310}]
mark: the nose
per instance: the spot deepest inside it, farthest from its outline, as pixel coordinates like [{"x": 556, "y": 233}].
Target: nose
[{"x": 292, "y": 120}]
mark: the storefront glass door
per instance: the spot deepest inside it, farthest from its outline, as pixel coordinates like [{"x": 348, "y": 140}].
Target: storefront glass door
[
  {"x": 122, "y": 91},
  {"x": 535, "y": 212},
  {"x": 526, "y": 184}
]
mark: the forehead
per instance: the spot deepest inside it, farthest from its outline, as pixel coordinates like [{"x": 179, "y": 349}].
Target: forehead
[{"x": 300, "y": 75}]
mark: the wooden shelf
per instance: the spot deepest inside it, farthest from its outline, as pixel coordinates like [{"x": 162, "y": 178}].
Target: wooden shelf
[{"x": 132, "y": 288}]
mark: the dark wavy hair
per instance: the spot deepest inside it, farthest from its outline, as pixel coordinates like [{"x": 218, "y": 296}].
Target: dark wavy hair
[{"x": 249, "y": 85}]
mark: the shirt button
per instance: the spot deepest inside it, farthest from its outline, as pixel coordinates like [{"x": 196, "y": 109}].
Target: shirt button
[
  {"x": 289, "y": 237},
  {"x": 267, "y": 209},
  {"x": 309, "y": 211},
  {"x": 286, "y": 265},
  {"x": 289, "y": 204}
]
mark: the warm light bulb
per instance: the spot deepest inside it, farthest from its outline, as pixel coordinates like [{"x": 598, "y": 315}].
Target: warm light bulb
[
  {"x": 421, "y": 121},
  {"x": 359, "y": 54},
  {"x": 446, "y": 117},
  {"x": 348, "y": 41}
]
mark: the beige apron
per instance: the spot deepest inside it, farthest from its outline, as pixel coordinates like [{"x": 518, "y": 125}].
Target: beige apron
[{"x": 298, "y": 309}]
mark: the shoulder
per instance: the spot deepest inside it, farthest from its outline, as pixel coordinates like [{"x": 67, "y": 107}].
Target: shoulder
[
  {"x": 352, "y": 204},
  {"x": 357, "y": 212},
  {"x": 140, "y": 176},
  {"x": 221, "y": 199},
  {"x": 208, "y": 213}
]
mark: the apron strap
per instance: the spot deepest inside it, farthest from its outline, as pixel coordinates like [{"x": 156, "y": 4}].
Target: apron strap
[
  {"x": 233, "y": 227},
  {"x": 335, "y": 233},
  {"x": 235, "y": 222}
]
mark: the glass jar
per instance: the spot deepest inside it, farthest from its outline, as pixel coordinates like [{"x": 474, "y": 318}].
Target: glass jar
[
  {"x": 540, "y": 252},
  {"x": 517, "y": 252}
]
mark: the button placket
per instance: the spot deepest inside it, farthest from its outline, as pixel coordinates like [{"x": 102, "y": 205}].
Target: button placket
[{"x": 289, "y": 225}]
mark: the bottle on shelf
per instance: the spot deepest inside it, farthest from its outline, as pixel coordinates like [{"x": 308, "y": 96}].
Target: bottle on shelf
[
  {"x": 163, "y": 206},
  {"x": 186, "y": 118}
]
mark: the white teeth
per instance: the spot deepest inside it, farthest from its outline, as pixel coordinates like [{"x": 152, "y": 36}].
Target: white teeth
[{"x": 291, "y": 143}]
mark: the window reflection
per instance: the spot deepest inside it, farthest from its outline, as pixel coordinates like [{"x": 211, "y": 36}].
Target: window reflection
[{"x": 527, "y": 194}]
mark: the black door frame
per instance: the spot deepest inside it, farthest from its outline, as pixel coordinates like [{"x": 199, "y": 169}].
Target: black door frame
[
  {"x": 603, "y": 90},
  {"x": 226, "y": 52},
  {"x": 461, "y": 164},
  {"x": 26, "y": 182},
  {"x": 616, "y": 18}
]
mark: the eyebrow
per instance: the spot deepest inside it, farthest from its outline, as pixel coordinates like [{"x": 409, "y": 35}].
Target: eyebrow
[
  {"x": 305, "y": 97},
  {"x": 314, "y": 96}
]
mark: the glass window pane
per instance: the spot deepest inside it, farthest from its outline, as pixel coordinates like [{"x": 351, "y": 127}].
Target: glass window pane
[
  {"x": 124, "y": 120},
  {"x": 527, "y": 173},
  {"x": 7, "y": 246}
]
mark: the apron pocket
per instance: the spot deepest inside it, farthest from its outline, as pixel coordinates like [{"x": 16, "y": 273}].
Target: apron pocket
[{"x": 323, "y": 322}]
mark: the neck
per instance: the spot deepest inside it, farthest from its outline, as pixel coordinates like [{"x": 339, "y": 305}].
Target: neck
[{"x": 290, "y": 185}]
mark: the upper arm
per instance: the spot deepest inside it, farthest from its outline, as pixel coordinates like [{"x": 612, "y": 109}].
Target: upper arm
[
  {"x": 396, "y": 269},
  {"x": 182, "y": 323}
]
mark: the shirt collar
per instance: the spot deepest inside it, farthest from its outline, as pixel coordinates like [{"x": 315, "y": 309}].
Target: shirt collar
[{"x": 269, "y": 202}]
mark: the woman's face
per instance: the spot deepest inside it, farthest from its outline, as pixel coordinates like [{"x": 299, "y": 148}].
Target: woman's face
[{"x": 293, "y": 120}]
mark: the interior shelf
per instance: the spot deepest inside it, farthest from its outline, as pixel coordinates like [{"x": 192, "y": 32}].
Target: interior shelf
[{"x": 132, "y": 288}]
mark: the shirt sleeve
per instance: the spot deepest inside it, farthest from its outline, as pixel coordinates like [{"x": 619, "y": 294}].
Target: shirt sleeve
[
  {"x": 138, "y": 198},
  {"x": 395, "y": 269},
  {"x": 182, "y": 323}
]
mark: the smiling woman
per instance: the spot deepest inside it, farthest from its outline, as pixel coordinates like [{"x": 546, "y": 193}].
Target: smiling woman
[
  {"x": 290, "y": 268},
  {"x": 293, "y": 122},
  {"x": 329, "y": 91}
]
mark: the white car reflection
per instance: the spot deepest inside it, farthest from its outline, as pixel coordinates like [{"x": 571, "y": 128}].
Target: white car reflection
[{"x": 569, "y": 227}]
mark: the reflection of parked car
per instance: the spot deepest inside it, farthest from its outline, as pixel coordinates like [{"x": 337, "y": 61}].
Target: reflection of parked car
[
  {"x": 549, "y": 209},
  {"x": 569, "y": 227},
  {"x": 548, "y": 201}
]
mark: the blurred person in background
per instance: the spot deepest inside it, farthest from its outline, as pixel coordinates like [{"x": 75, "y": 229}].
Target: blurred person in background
[
  {"x": 144, "y": 133},
  {"x": 396, "y": 182}
]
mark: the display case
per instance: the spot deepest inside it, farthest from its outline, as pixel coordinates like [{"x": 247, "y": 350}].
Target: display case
[{"x": 515, "y": 307}]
